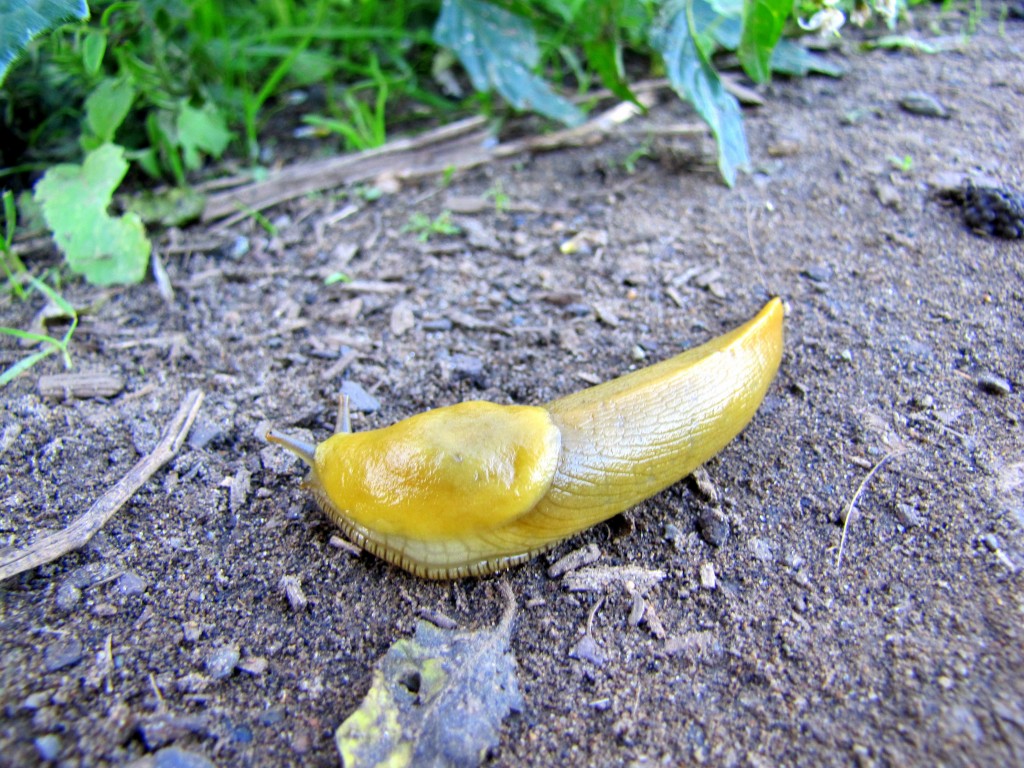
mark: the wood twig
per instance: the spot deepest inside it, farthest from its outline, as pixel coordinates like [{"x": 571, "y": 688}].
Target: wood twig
[
  {"x": 458, "y": 146},
  {"x": 853, "y": 503},
  {"x": 78, "y": 533}
]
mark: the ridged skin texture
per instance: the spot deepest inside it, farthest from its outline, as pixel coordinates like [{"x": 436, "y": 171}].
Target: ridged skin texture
[{"x": 475, "y": 488}]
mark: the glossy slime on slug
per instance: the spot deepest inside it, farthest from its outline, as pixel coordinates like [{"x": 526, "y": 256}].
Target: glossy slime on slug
[{"x": 475, "y": 488}]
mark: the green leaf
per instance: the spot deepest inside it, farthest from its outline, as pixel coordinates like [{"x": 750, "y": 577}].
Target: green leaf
[
  {"x": 791, "y": 58},
  {"x": 107, "y": 250},
  {"x": 94, "y": 46},
  {"x": 499, "y": 50},
  {"x": 22, "y": 20},
  {"x": 605, "y": 56},
  {"x": 201, "y": 130},
  {"x": 762, "y": 27},
  {"x": 694, "y": 78},
  {"x": 24, "y": 364},
  {"x": 107, "y": 107},
  {"x": 172, "y": 207},
  {"x": 436, "y": 699}
]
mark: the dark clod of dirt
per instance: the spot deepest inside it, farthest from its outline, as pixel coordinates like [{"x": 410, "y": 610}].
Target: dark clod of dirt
[
  {"x": 997, "y": 211},
  {"x": 713, "y": 527}
]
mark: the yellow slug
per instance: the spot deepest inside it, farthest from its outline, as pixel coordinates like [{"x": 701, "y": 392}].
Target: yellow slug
[{"x": 474, "y": 488}]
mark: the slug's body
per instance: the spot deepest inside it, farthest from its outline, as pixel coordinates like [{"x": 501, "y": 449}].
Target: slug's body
[{"x": 473, "y": 488}]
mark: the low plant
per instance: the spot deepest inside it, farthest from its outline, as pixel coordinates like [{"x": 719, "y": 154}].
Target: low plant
[
  {"x": 158, "y": 88},
  {"x": 425, "y": 227}
]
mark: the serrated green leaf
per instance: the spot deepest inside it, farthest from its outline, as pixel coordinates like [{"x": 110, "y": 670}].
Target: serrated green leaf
[
  {"x": 499, "y": 50},
  {"x": 437, "y": 698},
  {"x": 22, "y": 20},
  {"x": 107, "y": 107},
  {"x": 762, "y": 27},
  {"x": 201, "y": 130},
  {"x": 694, "y": 78},
  {"x": 106, "y": 250}
]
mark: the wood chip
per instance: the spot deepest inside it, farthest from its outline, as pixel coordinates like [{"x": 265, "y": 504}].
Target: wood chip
[
  {"x": 606, "y": 314},
  {"x": 631, "y": 578},
  {"x": 80, "y": 385},
  {"x": 707, "y": 576},
  {"x": 293, "y": 591},
  {"x": 238, "y": 490},
  {"x": 705, "y": 485},
  {"x": 402, "y": 318},
  {"x": 468, "y": 204},
  {"x": 253, "y": 665},
  {"x": 574, "y": 560},
  {"x": 373, "y": 286}
]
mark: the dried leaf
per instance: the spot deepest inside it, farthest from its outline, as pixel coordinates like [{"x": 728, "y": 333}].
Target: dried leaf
[{"x": 437, "y": 699}]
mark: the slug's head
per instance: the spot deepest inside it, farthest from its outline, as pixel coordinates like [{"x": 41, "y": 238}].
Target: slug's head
[{"x": 435, "y": 477}]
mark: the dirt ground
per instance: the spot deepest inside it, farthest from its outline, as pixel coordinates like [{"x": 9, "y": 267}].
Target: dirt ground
[{"x": 905, "y": 338}]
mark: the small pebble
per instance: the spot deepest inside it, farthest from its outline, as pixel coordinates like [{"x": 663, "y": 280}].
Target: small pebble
[
  {"x": 253, "y": 665},
  {"x": 36, "y": 700},
  {"x": 62, "y": 654},
  {"x": 293, "y": 591},
  {"x": 176, "y": 757},
  {"x": 707, "y": 576},
  {"x": 89, "y": 575},
  {"x": 278, "y": 462},
  {"x": 130, "y": 584},
  {"x": 921, "y": 103},
  {"x": 68, "y": 596},
  {"x": 468, "y": 368},
  {"x": 923, "y": 402},
  {"x": 270, "y": 717},
  {"x": 191, "y": 631},
  {"x": 222, "y": 661},
  {"x": 239, "y": 247},
  {"x": 889, "y": 196},
  {"x": 203, "y": 433},
  {"x": 48, "y": 747},
  {"x": 440, "y": 324},
  {"x": 713, "y": 526},
  {"x": 819, "y": 273},
  {"x": 577, "y": 309},
  {"x": 993, "y": 384},
  {"x": 402, "y": 318},
  {"x": 908, "y": 515},
  {"x": 359, "y": 399},
  {"x": 761, "y": 549},
  {"x": 587, "y": 649}
]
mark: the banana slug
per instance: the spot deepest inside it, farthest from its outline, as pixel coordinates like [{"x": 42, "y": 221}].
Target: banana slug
[{"x": 475, "y": 488}]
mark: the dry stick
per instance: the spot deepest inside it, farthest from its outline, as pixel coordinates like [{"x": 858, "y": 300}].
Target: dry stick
[
  {"x": 853, "y": 503},
  {"x": 459, "y": 146},
  {"x": 78, "y": 533}
]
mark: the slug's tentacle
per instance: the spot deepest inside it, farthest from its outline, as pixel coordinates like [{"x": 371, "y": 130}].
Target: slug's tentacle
[
  {"x": 476, "y": 487},
  {"x": 302, "y": 449}
]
